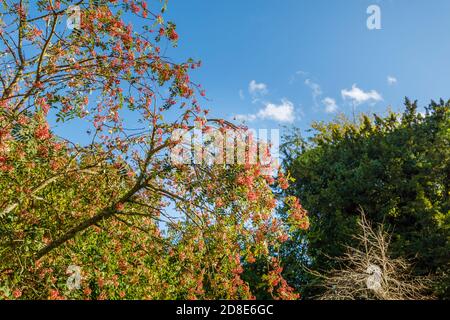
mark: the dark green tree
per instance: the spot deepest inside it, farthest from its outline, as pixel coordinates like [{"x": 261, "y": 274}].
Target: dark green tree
[{"x": 396, "y": 168}]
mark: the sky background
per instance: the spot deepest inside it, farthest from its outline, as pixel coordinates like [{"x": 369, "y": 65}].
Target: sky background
[
  {"x": 292, "y": 62},
  {"x": 277, "y": 63}
]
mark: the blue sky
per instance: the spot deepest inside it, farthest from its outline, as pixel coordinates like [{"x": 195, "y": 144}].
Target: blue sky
[{"x": 302, "y": 55}]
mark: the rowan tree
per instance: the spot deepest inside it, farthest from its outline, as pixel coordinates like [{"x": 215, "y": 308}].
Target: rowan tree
[{"x": 138, "y": 224}]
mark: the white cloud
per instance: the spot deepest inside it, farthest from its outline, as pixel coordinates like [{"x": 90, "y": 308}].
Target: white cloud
[
  {"x": 330, "y": 105},
  {"x": 284, "y": 112},
  {"x": 257, "y": 88},
  {"x": 359, "y": 96},
  {"x": 391, "y": 80}
]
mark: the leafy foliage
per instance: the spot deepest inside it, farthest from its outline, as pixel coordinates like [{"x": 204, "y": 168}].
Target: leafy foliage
[
  {"x": 396, "y": 168},
  {"x": 137, "y": 224}
]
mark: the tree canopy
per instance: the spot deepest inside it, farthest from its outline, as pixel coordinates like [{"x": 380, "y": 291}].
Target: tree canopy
[
  {"x": 396, "y": 168},
  {"x": 119, "y": 211}
]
